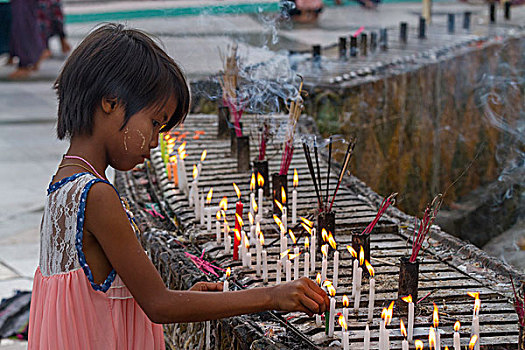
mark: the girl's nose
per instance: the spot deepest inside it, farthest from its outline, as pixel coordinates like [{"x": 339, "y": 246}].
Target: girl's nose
[{"x": 154, "y": 140}]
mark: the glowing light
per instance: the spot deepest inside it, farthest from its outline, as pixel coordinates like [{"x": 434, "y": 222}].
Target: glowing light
[
  {"x": 254, "y": 205},
  {"x": 173, "y": 159},
  {"x": 285, "y": 253},
  {"x": 203, "y": 155},
  {"x": 331, "y": 290},
  {"x": 407, "y": 299},
  {"x": 419, "y": 344},
  {"x": 473, "y": 341},
  {"x": 318, "y": 278},
  {"x": 346, "y": 302},
  {"x": 279, "y": 223},
  {"x": 239, "y": 220},
  {"x": 306, "y": 243},
  {"x": 324, "y": 250},
  {"x": 195, "y": 171},
  {"x": 209, "y": 196},
  {"x": 250, "y": 218},
  {"x": 370, "y": 269},
  {"x": 307, "y": 222},
  {"x": 342, "y": 322},
  {"x": 293, "y": 256},
  {"x": 261, "y": 239},
  {"x": 279, "y": 205},
  {"x": 435, "y": 316},
  {"x": 331, "y": 241},
  {"x": 295, "y": 178},
  {"x": 252, "y": 183},
  {"x": 260, "y": 180},
  {"x": 292, "y": 236},
  {"x": 246, "y": 241},
  {"x": 218, "y": 215},
  {"x": 237, "y": 234},
  {"x": 384, "y": 313},
  {"x": 403, "y": 329},
  {"x": 223, "y": 204},
  {"x": 237, "y": 191},
  {"x": 351, "y": 251},
  {"x": 181, "y": 150},
  {"x": 361, "y": 255},
  {"x": 432, "y": 338},
  {"x": 390, "y": 313},
  {"x": 228, "y": 272},
  {"x": 283, "y": 194},
  {"x": 457, "y": 325},
  {"x": 324, "y": 235},
  {"x": 307, "y": 228}
]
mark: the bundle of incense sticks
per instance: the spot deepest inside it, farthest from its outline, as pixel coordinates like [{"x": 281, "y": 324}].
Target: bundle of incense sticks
[
  {"x": 296, "y": 106},
  {"x": 390, "y": 200},
  {"x": 263, "y": 140},
  {"x": 229, "y": 87},
  {"x": 519, "y": 304},
  {"x": 418, "y": 238},
  {"x": 325, "y": 204}
]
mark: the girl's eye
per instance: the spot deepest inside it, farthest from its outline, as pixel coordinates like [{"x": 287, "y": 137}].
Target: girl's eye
[{"x": 155, "y": 123}]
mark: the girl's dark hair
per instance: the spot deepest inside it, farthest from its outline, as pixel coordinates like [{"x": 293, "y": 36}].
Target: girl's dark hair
[{"x": 114, "y": 62}]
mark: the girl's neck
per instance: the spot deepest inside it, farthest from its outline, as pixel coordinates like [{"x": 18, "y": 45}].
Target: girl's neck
[{"x": 92, "y": 155}]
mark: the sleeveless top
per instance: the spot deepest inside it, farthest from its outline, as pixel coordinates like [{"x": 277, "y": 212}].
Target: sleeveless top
[{"x": 68, "y": 309}]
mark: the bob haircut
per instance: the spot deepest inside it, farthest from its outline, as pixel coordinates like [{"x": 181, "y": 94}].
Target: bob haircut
[{"x": 120, "y": 63}]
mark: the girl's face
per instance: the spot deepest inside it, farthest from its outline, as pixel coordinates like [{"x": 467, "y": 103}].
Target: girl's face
[{"x": 131, "y": 145}]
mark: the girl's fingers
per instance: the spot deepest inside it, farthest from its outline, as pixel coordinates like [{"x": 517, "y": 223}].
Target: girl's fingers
[
  {"x": 317, "y": 298},
  {"x": 311, "y": 305},
  {"x": 301, "y": 307}
]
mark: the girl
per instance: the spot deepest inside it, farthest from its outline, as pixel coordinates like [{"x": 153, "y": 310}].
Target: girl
[{"x": 95, "y": 288}]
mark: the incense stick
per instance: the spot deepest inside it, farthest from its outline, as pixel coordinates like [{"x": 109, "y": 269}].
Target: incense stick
[
  {"x": 312, "y": 172},
  {"x": 348, "y": 156},
  {"x": 318, "y": 168},
  {"x": 328, "y": 176}
]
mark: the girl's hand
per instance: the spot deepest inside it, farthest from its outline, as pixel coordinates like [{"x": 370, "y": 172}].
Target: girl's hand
[
  {"x": 207, "y": 287},
  {"x": 300, "y": 295}
]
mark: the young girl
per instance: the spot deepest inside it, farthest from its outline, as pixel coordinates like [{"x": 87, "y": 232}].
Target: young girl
[{"x": 95, "y": 288}]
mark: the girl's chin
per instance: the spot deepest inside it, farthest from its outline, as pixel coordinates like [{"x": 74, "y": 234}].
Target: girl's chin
[{"x": 126, "y": 166}]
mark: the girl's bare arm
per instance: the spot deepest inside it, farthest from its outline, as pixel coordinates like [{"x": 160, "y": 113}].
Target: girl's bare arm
[{"x": 108, "y": 222}]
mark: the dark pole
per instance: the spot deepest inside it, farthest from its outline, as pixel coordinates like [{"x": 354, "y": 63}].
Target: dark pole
[
  {"x": 353, "y": 46},
  {"x": 403, "y": 29},
  {"x": 383, "y": 39},
  {"x": 342, "y": 48},
  {"x": 373, "y": 41},
  {"x": 422, "y": 28},
  {"x": 451, "y": 23},
  {"x": 507, "y": 5},
  {"x": 316, "y": 55},
  {"x": 466, "y": 20},
  {"x": 492, "y": 10},
  {"x": 364, "y": 44}
]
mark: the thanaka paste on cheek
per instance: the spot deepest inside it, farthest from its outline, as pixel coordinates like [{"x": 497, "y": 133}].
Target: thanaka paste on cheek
[
  {"x": 125, "y": 137},
  {"x": 143, "y": 139}
]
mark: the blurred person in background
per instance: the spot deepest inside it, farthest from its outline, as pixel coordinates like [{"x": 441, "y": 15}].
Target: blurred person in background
[
  {"x": 51, "y": 20},
  {"x": 302, "y": 11},
  {"x": 5, "y": 25}
]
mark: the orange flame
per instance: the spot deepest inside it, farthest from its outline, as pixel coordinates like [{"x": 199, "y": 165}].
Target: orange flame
[
  {"x": 279, "y": 205},
  {"x": 167, "y": 136},
  {"x": 254, "y": 205},
  {"x": 173, "y": 159},
  {"x": 237, "y": 191},
  {"x": 250, "y": 218},
  {"x": 384, "y": 313},
  {"x": 237, "y": 234},
  {"x": 324, "y": 235},
  {"x": 228, "y": 272},
  {"x": 327, "y": 283},
  {"x": 181, "y": 150},
  {"x": 285, "y": 253},
  {"x": 306, "y": 243},
  {"x": 292, "y": 236},
  {"x": 346, "y": 302},
  {"x": 260, "y": 180},
  {"x": 342, "y": 322},
  {"x": 446, "y": 347},
  {"x": 361, "y": 255},
  {"x": 390, "y": 313},
  {"x": 435, "y": 316},
  {"x": 307, "y": 228},
  {"x": 279, "y": 223},
  {"x": 239, "y": 219},
  {"x": 203, "y": 155},
  {"x": 293, "y": 256},
  {"x": 223, "y": 204},
  {"x": 246, "y": 241},
  {"x": 295, "y": 178},
  {"x": 218, "y": 215},
  {"x": 432, "y": 338},
  {"x": 307, "y": 222},
  {"x": 195, "y": 171},
  {"x": 370, "y": 269},
  {"x": 324, "y": 250},
  {"x": 209, "y": 196},
  {"x": 283, "y": 194},
  {"x": 252, "y": 183},
  {"x": 457, "y": 325},
  {"x": 318, "y": 278},
  {"x": 331, "y": 240},
  {"x": 419, "y": 344},
  {"x": 331, "y": 290},
  {"x": 403, "y": 329},
  {"x": 473, "y": 341},
  {"x": 261, "y": 239},
  {"x": 351, "y": 251},
  {"x": 407, "y": 299}
]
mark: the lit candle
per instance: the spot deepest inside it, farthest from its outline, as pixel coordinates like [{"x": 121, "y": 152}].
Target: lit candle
[
  {"x": 331, "y": 314},
  {"x": 408, "y": 299},
  {"x": 227, "y": 243},
  {"x": 355, "y": 263},
  {"x": 258, "y": 258},
  {"x": 313, "y": 253},
  {"x": 194, "y": 194},
  {"x": 359, "y": 279},
  {"x": 247, "y": 250},
  {"x": 252, "y": 194},
  {"x": 306, "y": 257},
  {"x": 238, "y": 221},
  {"x": 344, "y": 329},
  {"x": 346, "y": 302},
  {"x": 382, "y": 329},
  {"x": 336, "y": 268},
  {"x": 201, "y": 209},
  {"x": 388, "y": 319},
  {"x": 226, "y": 285},
  {"x": 372, "y": 291},
  {"x": 218, "y": 227},
  {"x": 265, "y": 266},
  {"x": 475, "y": 319},
  {"x": 404, "y": 344},
  {"x": 282, "y": 232},
  {"x": 294, "y": 197},
  {"x": 435, "y": 321},
  {"x": 296, "y": 263},
  {"x": 317, "y": 316},
  {"x": 474, "y": 341},
  {"x": 457, "y": 339},
  {"x": 324, "y": 264},
  {"x": 284, "y": 209},
  {"x": 278, "y": 272},
  {"x": 260, "y": 182},
  {"x": 366, "y": 341},
  {"x": 432, "y": 339},
  {"x": 418, "y": 344},
  {"x": 288, "y": 270},
  {"x": 181, "y": 168}
]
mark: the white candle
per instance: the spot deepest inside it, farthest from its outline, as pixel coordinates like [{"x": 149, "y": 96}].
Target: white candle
[
  {"x": 285, "y": 243},
  {"x": 218, "y": 231},
  {"x": 294, "y": 207},
  {"x": 306, "y": 264},
  {"x": 354, "y": 276},
  {"x": 410, "y": 321},
  {"x": 252, "y": 200},
  {"x": 404, "y": 345},
  {"x": 265, "y": 266},
  {"x": 345, "y": 341},
  {"x": 288, "y": 270},
  {"x": 336, "y": 268},
  {"x": 345, "y": 308},
  {"x": 249, "y": 259},
  {"x": 258, "y": 249},
  {"x": 296, "y": 264},
  {"x": 438, "y": 339},
  {"x": 475, "y": 330},
  {"x": 318, "y": 320},
  {"x": 201, "y": 209},
  {"x": 371, "y": 299},
  {"x": 366, "y": 342},
  {"x": 208, "y": 329},
  {"x": 457, "y": 339},
  {"x": 313, "y": 243},
  {"x": 260, "y": 206},
  {"x": 208, "y": 220},
  {"x": 181, "y": 173},
  {"x": 324, "y": 265},
  {"x": 387, "y": 338},
  {"x": 284, "y": 218},
  {"x": 226, "y": 286},
  {"x": 358, "y": 288},
  {"x": 227, "y": 244},
  {"x": 382, "y": 334},
  {"x": 278, "y": 272},
  {"x": 331, "y": 317}
]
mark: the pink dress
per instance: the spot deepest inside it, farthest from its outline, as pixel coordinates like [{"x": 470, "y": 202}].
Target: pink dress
[{"x": 68, "y": 309}]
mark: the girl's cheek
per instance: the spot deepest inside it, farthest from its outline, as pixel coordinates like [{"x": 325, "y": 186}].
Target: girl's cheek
[{"x": 142, "y": 140}]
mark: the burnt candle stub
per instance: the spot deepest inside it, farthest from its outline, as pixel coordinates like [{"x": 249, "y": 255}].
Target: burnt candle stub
[
  {"x": 261, "y": 167},
  {"x": 243, "y": 153},
  {"x": 223, "y": 120},
  {"x": 325, "y": 220},
  {"x": 278, "y": 183},
  {"x": 408, "y": 282}
]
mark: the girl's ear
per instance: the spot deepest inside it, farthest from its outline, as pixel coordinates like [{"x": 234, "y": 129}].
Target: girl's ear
[{"x": 109, "y": 105}]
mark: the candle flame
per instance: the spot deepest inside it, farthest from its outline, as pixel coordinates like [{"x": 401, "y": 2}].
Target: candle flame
[
  {"x": 250, "y": 218},
  {"x": 260, "y": 179},
  {"x": 195, "y": 171},
  {"x": 331, "y": 290},
  {"x": 346, "y": 302},
  {"x": 279, "y": 223},
  {"x": 474, "y": 295},
  {"x": 384, "y": 313},
  {"x": 342, "y": 322},
  {"x": 252, "y": 183},
  {"x": 209, "y": 196},
  {"x": 324, "y": 235},
  {"x": 370, "y": 269},
  {"x": 261, "y": 239},
  {"x": 173, "y": 159},
  {"x": 361, "y": 255},
  {"x": 435, "y": 316},
  {"x": 223, "y": 204},
  {"x": 226, "y": 226},
  {"x": 293, "y": 256},
  {"x": 318, "y": 278},
  {"x": 295, "y": 178},
  {"x": 307, "y": 222},
  {"x": 254, "y": 205},
  {"x": 446, "y": 347},
  {"x": 181, "y": 150},
  {"x": 457, "y": 325},
  {"x": 228, "y": 272},
  {"x": 324, "y": 250},
  {"x": 477, "y": 305},
  {"x": 306, "y": 243},
  {"x": 279, "y": 205},
  {"x": 351, "y": 250},
  {"x": 307, "y": 228},
  {"x": 390, "y": 313},
  {"x": 246, "y": 241},
  {"x": 432, "y": 338},
  {"x": 239, "y": 220},
  {"x": 473, "y": 341},
  {"x": 419, "y": 344},
  {"x": 218, "y": 215},
  {"x": 331, "y": 240},
  {"x": 203, "y": 155},
  {"x": 166, "y": 136},
  {"x": 407, "y": 299},
  {"x": 403, "y": 329},
  {"x": 283, "y": 195},
  {"x": 285, "y": 253},
  {"x": 237, "y": 234},
  {"x": 292, "y": 236},
  {"x": 237, "y": 191}
]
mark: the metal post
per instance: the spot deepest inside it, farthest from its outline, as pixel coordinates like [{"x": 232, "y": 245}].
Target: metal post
[
  {"x": 422, "y": 28},
  {"x": 353, "y": 46},
  {"x": 383, "y": 39},
  {"x": 451, "y": 23},
  {"x": 492, "y": 10},
  {"x": 342, "y": 47},
  {"x": 373, "y": 41},
  {"x": 466, "y": 20},
  {"x": 364, "y": 44},
  {"x": 403, "y": 26}
]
